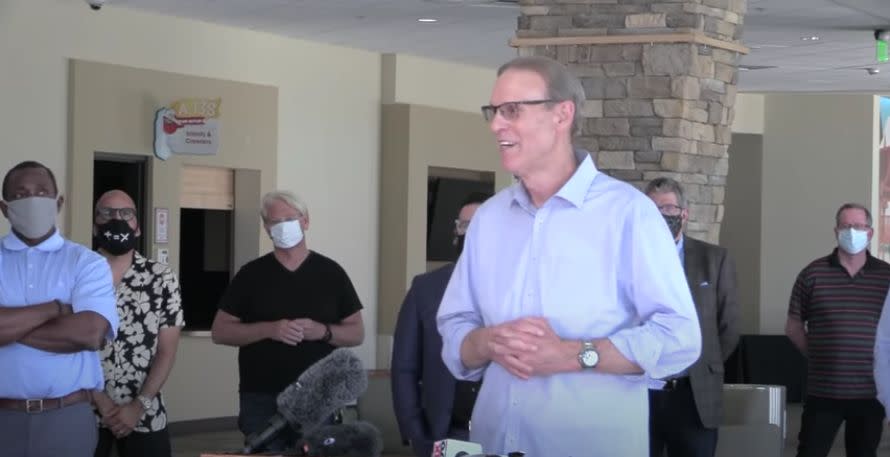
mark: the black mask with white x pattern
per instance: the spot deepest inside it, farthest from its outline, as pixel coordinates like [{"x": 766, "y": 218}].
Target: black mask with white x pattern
[{"x": 116, "y": 236}]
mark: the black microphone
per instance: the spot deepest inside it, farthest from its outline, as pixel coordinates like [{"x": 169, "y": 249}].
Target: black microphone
[
  {"x": 355, "y": 439},
  {"x": 325, "y": 387}
]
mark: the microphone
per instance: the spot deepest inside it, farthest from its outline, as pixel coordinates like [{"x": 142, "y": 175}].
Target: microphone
[
  {"x": 325, "y": 387},
  {"x": 355, "y": 439}
]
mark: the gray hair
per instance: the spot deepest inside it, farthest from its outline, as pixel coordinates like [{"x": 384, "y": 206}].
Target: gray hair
[
  {"x": 846, "y": 206},
  {"x": 562, "y": 85},
  {"x": 287, "y": 197},
  {"x": 664, "y": 185}
]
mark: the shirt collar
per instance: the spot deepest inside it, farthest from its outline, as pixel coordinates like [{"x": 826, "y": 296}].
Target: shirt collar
[
  {"x": 870, "y": 261},
  {"x": 680, "y": 244},
  {"x": 574, "y": 190},
  {"x": 13, "y": 243}
]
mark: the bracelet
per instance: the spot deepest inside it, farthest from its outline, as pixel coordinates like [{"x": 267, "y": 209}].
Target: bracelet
[{"x": 327, "y": 334}]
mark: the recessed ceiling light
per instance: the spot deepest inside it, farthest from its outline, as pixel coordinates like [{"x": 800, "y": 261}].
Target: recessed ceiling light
[
  {"x": 427, "y": 20},
  {"x": 811, "y": 38}
]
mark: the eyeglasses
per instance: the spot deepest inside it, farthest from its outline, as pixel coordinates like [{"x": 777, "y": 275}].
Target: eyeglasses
[
  {"x": 460, "y": 226},
  {"x": 510, "y": 110},
  {"x": 670, "y": 209},
  {"x": 860, "y": 227},
  {"x": 105, "y": 213}
]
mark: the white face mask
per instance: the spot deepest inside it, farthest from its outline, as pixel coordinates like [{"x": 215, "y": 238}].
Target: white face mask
[
  {"x": 32, "y": 217},
  {"x": 287, "y": 234},
  {"x": 852, "y": 241}
]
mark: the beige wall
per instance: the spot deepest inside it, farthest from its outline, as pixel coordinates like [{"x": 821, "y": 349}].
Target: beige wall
[
  {"x": 748, "y": 117},
  {"x": 739, "y": 232},
  {"x": 112, "y": 111},
  {"x": 416, "y": 138},
  {"x": 818, "y": 154},
  {"x": 421, "y": 81},
  {"x": 327, "y": 143}
]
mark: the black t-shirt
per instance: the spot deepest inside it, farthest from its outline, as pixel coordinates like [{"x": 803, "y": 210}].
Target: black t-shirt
[{"x": 264, "y": 290}]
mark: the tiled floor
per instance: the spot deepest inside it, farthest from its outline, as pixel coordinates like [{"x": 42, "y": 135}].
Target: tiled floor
[{"x": 194, "y": 445}]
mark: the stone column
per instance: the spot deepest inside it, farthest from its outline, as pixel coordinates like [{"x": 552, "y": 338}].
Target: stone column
[{"x": 660, "y": 78}]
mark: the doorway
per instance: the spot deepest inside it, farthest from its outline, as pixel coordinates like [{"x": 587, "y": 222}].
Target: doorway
[
  {"x": 127, "y": 173},
  {"x": 206, "y": 220}
]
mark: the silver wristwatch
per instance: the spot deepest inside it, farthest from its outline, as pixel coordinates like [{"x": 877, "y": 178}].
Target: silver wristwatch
[
  {"x": 588, "y": 357},
  {"x": 145, "y": 401}
]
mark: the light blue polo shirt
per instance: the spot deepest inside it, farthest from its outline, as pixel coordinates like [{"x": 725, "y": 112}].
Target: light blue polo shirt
[{"x": 56, "y": 269}]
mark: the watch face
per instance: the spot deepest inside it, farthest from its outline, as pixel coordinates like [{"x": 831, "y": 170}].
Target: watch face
[{"x": 589, "y": 358}]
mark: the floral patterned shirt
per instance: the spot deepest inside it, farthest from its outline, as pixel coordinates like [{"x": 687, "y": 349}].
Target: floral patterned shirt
[{"x": 148, "y": 300}]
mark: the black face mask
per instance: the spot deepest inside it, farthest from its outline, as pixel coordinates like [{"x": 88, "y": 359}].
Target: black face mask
[
  {"x": 458, "y": 245},
  {"x": 675, "y": 223},
  {"x": 116, "y": 236}
]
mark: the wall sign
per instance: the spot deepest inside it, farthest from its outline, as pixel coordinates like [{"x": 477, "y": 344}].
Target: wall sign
[
  {"x": 162, "y": 221},
  {"x": 187, "y": 126}
]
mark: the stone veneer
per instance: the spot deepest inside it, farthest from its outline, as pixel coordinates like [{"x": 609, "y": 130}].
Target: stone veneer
[{"x": 660, "y": 78}]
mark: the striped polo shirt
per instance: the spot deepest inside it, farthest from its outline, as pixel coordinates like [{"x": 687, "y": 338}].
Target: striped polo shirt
[{"x": 841, "y": 315}]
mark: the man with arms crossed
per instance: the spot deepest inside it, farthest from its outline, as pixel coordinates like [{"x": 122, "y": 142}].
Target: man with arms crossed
[{"x": 56, "y": 308}]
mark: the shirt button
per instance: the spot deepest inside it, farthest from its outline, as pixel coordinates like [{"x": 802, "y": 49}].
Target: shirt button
[{"x": 30, "y": 286}]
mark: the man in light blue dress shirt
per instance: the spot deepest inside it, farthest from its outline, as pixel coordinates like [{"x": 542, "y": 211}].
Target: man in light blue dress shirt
[
  {"x": 569, "y": 295},
  {"x": 57, "y": 306},
  {"x": 882, "y": 356}
]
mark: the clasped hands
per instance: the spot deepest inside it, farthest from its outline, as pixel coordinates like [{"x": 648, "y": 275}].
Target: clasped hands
[
  {"x": 119, "y": 419},
  {"x": 529, "y": 347},
  {"x": 294, "y": 331}
]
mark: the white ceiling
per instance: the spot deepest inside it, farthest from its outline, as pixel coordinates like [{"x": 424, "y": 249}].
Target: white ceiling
[{"x": 476, "y": 32}]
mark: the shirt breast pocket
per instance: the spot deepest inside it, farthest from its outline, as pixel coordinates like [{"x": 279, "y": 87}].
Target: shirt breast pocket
[{"x": 59, "y": 288}]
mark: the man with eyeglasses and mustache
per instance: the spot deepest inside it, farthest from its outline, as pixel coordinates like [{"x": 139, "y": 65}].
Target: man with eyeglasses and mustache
[
  {"x": 56, "y": 307},
  {"x": 833, "y": 315},
  {"x": 569, "y": 295},
  {"x": 137, "y": 363}
]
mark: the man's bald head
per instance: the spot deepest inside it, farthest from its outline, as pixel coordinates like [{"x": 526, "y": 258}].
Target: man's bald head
[
  {"x": 115, "y": 199},
  {"x": 116, "y": 204}
]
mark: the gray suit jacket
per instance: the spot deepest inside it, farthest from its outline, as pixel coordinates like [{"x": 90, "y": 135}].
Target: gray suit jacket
[{"x": 712, "y": 280}]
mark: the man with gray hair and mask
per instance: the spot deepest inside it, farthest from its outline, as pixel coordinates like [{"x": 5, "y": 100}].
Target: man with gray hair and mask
[
  {"x": 57, "y": 305},
  {"x": 284, "y": 311},
  {"x": 685, "y": 413},
  {"x": 569, "y": 294}
]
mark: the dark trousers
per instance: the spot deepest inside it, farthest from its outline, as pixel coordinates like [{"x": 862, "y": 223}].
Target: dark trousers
[
  {"x": 255, "y": 411},
  {"x": 151, "y": 444},
  {"x": 822, "y": 417},
  {"x": 674, "y": 425}
]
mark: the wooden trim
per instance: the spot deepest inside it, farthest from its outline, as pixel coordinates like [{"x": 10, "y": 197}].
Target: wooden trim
[
  {"x": 207, "y": 188},
  {"x": 693, "y": 37}
]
